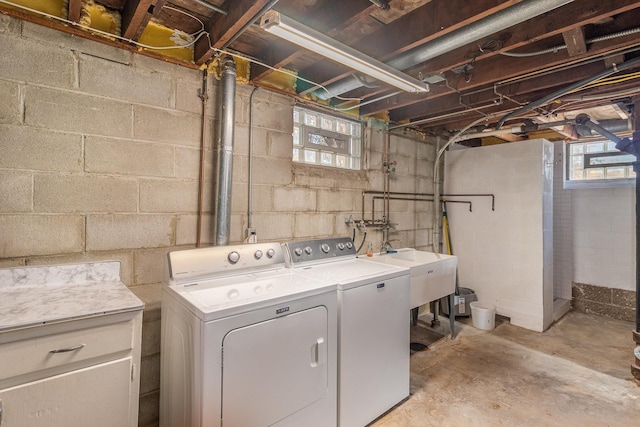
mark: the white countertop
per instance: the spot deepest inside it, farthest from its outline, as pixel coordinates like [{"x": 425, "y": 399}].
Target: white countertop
[{"x": 38, "y": 295}]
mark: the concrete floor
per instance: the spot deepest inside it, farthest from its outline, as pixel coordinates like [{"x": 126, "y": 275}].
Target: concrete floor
[{"x": 574, "y": 374}]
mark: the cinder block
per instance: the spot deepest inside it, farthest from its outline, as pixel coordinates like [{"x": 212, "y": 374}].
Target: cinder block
[
  {"x": 262, "y": 198},
  {"x": 187, "y": 227},
  {"x": 271, "y": 226},
  {"x": 127, "y": 157},
  {"x": 16, "y": 191},
  {"x": 239, "y": 197},
  {"x": 149, "y": 409},
  {"x": 10, "y": 26},
  {"x": 132, "y": 85},
  {"x": 187, "y": 96},
  {"x": 314, "y": 225},
  {"x": 150, "y": 373},
  {"x": 274, "y": 116},
  {"x": 149, "y": 266},
  {"x": 129, "y": 231},
  {"x": 336, "y": 200},
  {"x": 75, "y": 112},
  {"x": 176, "y": 71},
  {"x": 406, "y": 147},
  {"x": 294, "y": 200},
  {"x": 151, "y": 337},
  {"x": 169, "y": 195},
  {"x": 426, "y": 151},
  {"x": 187, "y": 163},
  {"x": 271, "y": 171},
  {"x": 32, "y": 235},
  {"x": 48, "y": 36},
  {"x": 176, "y": 127},
  {"x": 23, "y": 147},
  {"x": 151, "y": 296},
  {"x": 83, "y": 193},
  {"x": 10, "y": 107},
  {"x": 35, "y": 62},
  {"x": 280, "y": 144}
]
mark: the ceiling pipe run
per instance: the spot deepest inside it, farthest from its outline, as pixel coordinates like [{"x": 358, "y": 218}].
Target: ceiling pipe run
[
  {"x": 505, "y": 18},
  {"x": 225, "y": 152}
]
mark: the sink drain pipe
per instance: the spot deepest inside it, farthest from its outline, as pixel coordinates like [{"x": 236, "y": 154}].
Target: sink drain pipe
[{"x": 225, "y": 151}]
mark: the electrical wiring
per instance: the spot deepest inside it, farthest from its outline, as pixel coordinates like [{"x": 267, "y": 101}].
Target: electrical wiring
[{"x": 195, "y": 18}]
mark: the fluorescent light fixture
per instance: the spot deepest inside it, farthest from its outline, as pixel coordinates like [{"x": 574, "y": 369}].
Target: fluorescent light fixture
[{"x": 290, "y": 30}]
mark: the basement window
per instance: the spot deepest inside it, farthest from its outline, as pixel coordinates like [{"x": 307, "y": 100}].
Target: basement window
[
  {"x": 597, "y": 164},
  {"x": 325, "y": 140}
]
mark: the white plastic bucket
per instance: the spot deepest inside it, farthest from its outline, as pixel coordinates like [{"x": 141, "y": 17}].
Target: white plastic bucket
[{"x": 483, "y": 315}]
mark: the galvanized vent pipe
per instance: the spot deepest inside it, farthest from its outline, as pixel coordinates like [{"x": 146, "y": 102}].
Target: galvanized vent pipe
[
  {"x": 225, "y": 152},
  {"x": 485, "y": 27}
]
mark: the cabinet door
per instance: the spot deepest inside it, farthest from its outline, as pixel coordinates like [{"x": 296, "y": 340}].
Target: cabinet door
[
  {"x": 97, "y": 396},
  {"x": 274, "y": 368}
]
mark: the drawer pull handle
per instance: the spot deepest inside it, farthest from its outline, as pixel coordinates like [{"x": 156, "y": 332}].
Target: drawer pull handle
[{"x": 68, "y": 349}]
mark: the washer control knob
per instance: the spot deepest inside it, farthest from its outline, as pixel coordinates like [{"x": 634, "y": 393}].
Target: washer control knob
[
  {"x": 341, "y": 246},
  {"x": 308, "y": 250},
  {"x": 325, "y": 248},
  {"x": 233, "y": 257},
  {"x": 233, "y": 294},
  {"x": 349, "y": 245},
  {"x": 258, "y": 254},
  {"x": 297, "y": 251},
  {"x": 270, "y": 253}
]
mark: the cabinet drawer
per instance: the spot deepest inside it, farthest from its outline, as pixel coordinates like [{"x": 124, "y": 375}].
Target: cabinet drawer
[{"x": 35, "y": 354}]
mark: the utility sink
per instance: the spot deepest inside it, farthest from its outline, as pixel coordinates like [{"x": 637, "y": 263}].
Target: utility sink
[{"x": 432, "y": 275}]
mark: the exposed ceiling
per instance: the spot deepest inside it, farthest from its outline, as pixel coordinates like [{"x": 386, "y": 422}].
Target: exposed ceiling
[{"x": 462, "y": 48}]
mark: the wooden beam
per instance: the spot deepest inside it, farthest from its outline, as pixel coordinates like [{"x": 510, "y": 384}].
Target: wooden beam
[
  {"x": 324, "y": 21},
  {"x": 135, "y": 17},
  {"x": 75, "y": 7},
  {"x": 575, "y": 41},
  {"x": 424, "y": 24},
  {"x": 223, "y": 28},
  {"x": 611, "y": 61}
]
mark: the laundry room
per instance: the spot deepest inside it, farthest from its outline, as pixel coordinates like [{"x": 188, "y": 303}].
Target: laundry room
[{"x": 160, "y": 159}]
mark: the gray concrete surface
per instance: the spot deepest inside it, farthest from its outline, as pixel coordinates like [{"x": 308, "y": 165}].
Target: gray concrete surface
[{"x": 574, "y": 374}]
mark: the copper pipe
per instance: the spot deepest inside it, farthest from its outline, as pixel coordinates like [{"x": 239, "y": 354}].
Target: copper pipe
[{"x": 204, "y": 96}]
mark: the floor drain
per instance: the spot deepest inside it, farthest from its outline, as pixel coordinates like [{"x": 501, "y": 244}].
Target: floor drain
[{"x": 416, "y": 346}]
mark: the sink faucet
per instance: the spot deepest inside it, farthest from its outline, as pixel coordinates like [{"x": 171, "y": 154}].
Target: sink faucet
[{"x": 386, "y": 246}]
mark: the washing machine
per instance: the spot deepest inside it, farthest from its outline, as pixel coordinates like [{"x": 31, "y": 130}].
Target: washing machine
[
  {"x": 246, "y": 341},
  {"x": 373, "y": 326}
]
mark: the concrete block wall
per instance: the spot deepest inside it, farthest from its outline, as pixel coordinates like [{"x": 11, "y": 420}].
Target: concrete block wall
[{"x": 100, "y": 161}]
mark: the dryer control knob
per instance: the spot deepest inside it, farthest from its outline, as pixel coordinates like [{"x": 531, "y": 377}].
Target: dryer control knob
[
  {"x": 341, "y": 246},
  {"x": 233, "y": 257},
  {"x": 308, "y": 250},
  {"x": 258, "y": 254},
  {"x": 325, "y": 248},
  {"x": 297, "y": 251},
  {"x": 349, "y": 245},
  {"x": 270, "y": 253}
]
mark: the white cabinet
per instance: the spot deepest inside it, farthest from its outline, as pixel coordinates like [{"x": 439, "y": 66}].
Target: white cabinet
[{"x": 78, "y": 373}]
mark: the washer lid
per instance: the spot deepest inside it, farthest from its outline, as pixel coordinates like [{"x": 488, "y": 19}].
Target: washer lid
[
  {"x": 224, "y": 296},
  {"x": 353, "y": 272}
]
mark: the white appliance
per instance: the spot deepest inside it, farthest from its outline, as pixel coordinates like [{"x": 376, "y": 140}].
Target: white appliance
[
  {"x": 373, "y": 326},
  {"x": 246, "y": 341}
]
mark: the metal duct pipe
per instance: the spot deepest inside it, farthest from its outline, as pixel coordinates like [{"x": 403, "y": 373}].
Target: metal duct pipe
[
  {"x": 505, "y": 18},
  {"x": 225, "y": 151},
  {"x": 612, "y": 125}
]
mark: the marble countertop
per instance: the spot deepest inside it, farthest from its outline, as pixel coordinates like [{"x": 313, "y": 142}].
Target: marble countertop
[{"x": 37, "y": 295}]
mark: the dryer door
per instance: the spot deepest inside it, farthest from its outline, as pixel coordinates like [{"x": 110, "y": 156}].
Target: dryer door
[{"x": 274, "y": 368}]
